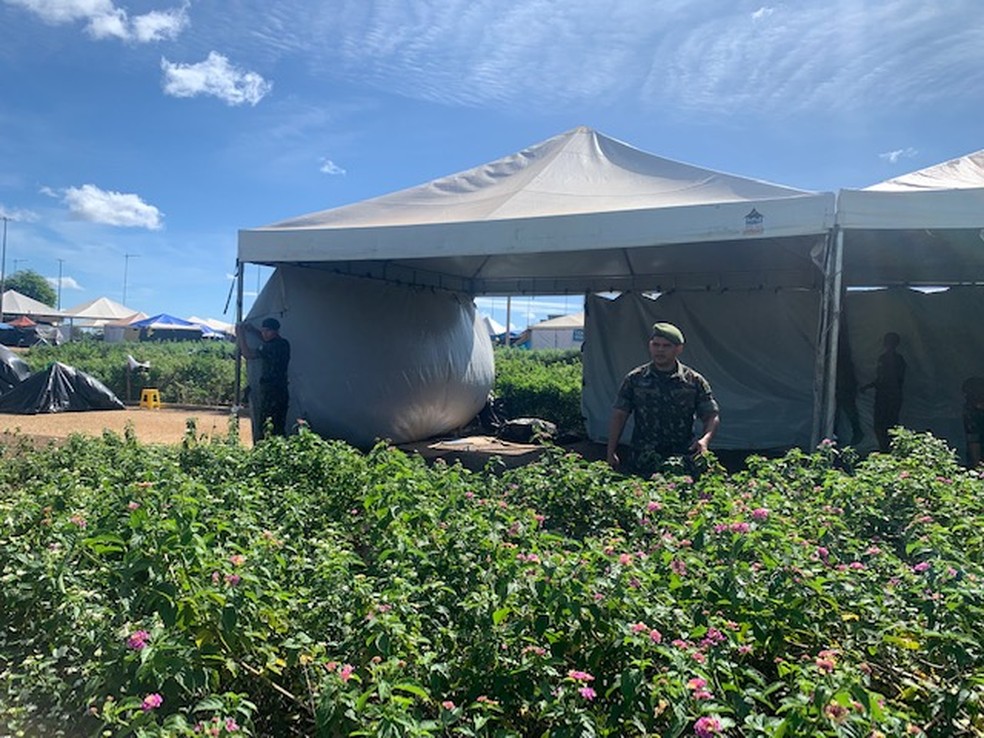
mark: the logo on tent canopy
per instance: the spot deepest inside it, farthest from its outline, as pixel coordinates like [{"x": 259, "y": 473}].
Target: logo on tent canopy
[{"x": 754, "y": 223}]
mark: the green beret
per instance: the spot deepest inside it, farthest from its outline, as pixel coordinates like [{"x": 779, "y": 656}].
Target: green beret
[{"x": 668, "y": 331}]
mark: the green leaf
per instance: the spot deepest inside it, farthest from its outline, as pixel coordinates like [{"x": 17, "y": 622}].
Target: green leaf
[{"x": 413, "y": 689}]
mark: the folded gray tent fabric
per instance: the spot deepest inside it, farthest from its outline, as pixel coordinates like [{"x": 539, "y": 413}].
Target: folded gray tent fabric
[
  {"x": 59, "y": 388},
  {"x": 13, "y": 370}
]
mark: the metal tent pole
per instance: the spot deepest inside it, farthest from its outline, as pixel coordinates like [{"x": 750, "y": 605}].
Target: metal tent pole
[
  {"x": 240, "y": 268},
  {"x": 830, "y": 417},
  {"x": 825, "y": 379}
]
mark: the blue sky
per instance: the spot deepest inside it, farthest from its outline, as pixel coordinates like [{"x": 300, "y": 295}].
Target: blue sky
[{"x": 158, "y": 129}]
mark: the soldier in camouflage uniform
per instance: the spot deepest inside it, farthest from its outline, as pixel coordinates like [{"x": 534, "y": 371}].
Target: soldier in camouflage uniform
[{"x": 665, "y": 396}]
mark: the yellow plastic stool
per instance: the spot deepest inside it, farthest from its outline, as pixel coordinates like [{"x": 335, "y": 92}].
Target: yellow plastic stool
[{"x": 150, "y": 398}]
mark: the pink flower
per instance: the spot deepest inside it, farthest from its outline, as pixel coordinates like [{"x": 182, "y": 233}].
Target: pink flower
[
  {"x": 231, "y": 725},
  {"x": 580, "y": 676},
  {"x": 713, "y": 637},
  {"x": 346, "y": 672},
  {"x": 697, "y": 683},
  {"x": 625, "y": 559},
  {"x": 138, "y": 640},
  {"x": 447, "y": 705},
  {"x": 232, "y": 579},
  {"x": 132, "y": 505},
  {"x": 857, "y": 565},
  {"x": 836, "y": 712},
  {"x": 707, "y": 727},
  {"x": 703, "y": 694},
  {"x": 740, "y": 527},
  {"x": 78, "y": 520},
  {"x": 678, "y": 567},
  {"x": 655, "y": 636},
  {"x": 587, "y": 693},
  {"x": 652, "y": 506},
  {"x": 237, "y": 559},
  {"x": 825, "y": 661},
  {"x": 760, "y": 513},
  {"x": 638, "y": 627},
  {"x": 921, "y": 567},
  {"x": 151, "y": 702}
]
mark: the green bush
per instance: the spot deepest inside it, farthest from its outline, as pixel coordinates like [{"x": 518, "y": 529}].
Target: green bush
[
  {"x": 186, "y": 372},
  {"x": 540, "y": 384},
  {"x": 304, "y": 588}
]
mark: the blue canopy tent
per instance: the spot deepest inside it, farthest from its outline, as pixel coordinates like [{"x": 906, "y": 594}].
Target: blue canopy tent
[{"x": 164, "y": 327}]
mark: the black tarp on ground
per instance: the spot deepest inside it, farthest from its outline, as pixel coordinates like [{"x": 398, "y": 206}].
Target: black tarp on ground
[
  {"x": 57, "y": 389},
  {"x": 13, "y": 370}
]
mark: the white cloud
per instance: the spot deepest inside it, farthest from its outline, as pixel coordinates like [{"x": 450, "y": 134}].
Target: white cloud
[
  {"x": 160, "y": 25},
  {"x": 330, "y": 167},
  {"x": 775, "y": 59},
  {"x": 105, "y": 20},
  {"x": 90, "y": 203},
  {"x": 65, "y": 11},
  {"x": 893, "y": 157},
  {"x": 68, "y": 283},
  {"x": 109, "y": 25},
  {"x": 214, "y": 76},
  {"x": 18, "y": 215}
]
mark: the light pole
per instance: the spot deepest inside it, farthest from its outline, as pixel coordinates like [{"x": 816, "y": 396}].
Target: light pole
[
  {"x": 126, "y": 269},
  {"x": 3, "y": 263},
  {"x": 60, "y": 262}
]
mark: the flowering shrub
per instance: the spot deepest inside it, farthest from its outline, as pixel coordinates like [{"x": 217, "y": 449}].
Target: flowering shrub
[{"x": 304, "y": 588}]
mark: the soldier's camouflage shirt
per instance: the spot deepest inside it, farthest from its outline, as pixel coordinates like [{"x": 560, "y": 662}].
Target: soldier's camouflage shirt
[{"x": 665, "y": 405}]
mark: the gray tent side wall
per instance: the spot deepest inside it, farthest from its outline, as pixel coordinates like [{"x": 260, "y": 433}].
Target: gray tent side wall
[
  {"x": 942, "y": 344},
  {"x": 757, "y": 349}
]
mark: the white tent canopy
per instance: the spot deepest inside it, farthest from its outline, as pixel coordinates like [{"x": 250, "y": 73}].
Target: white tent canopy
[
  {"x": 921, "y": 228},
  {"x": 494, "y": 327},
  {"x": 578, "y": 212},
  {"x": 98, "y": 311},
  {"x": 14, "y": 303},
  {"x": 215, "y": 324},
  {"x": 562, "y": 332}
]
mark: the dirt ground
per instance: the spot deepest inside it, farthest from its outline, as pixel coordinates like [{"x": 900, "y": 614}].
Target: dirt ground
[{"x": 160, "y": 425}]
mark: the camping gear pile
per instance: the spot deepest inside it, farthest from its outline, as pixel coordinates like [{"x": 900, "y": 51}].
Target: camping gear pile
[{"x": 55, "y": 389}]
